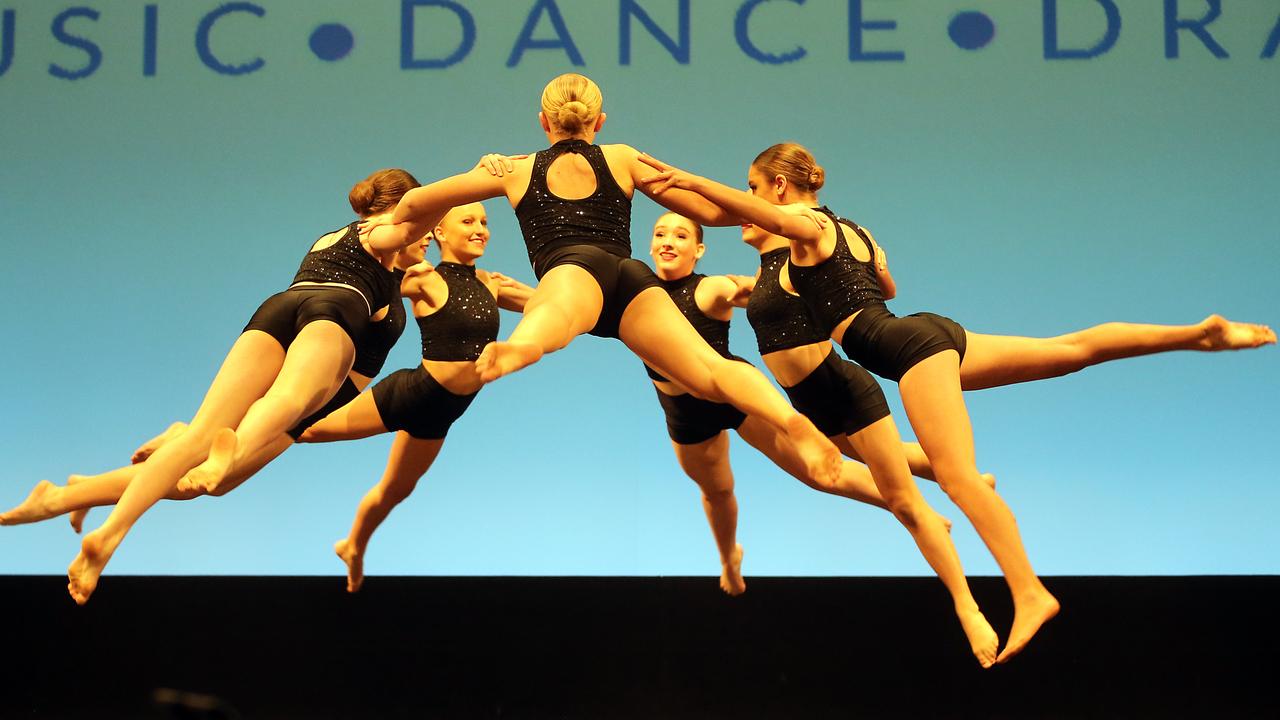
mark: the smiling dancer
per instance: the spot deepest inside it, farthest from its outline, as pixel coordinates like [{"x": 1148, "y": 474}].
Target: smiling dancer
[
  {"x": 844, "y": 281},
  {"x": 573, "y": 201},
  {"x": 456, "y": 308},
  {"x": 291, "y": 358}
]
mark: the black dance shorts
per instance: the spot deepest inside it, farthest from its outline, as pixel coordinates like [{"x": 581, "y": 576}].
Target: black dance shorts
[
  {"x": 889, "y": 345},
  {"x": 839, "y": 397},
  {"x": 346, "y": 393},
  {"x": 284, "y": 314},
  {"x": 691, "y": 420},
  {"x": 411, "y": 400},
  {"x": 620, "y": 280}
]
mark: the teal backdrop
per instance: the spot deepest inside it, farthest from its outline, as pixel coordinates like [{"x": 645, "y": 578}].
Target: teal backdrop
[{"x": 1031, "y": 167}]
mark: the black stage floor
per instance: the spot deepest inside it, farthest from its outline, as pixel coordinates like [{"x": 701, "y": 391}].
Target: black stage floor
[{"x": 273, "y": 647}]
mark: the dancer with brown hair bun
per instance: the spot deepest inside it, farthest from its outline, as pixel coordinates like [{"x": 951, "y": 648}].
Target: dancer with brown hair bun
[
  {"x": 87, "y": 491},
  {"x": 573, "y": 201},
  {"x": 845, "y": 281},
  {"x": 292, "y": 357},
  {"x": 842, "y": 399},
  {"x": 456, "y": 308},
  {"x": 697, "y": 427}
]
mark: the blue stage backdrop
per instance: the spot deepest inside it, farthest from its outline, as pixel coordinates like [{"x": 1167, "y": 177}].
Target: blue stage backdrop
[{"x": 1031, "y": 167}]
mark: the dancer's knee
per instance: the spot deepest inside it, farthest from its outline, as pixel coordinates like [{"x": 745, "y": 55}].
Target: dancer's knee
[
  {"x": 958, "y": 482},
  {"x": 907, "y": 510}
]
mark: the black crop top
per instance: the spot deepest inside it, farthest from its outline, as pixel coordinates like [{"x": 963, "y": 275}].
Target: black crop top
[
  {"x": 715, "y": 332},
  {"x": 347, "y": 262},
  {"x": 780, "y": 320},
  {"x": 841, "y": 285},
  {"x": 548, "y": 221},
  {"x": 467, "y": 322},
  {"x": 379, "y": 337}
]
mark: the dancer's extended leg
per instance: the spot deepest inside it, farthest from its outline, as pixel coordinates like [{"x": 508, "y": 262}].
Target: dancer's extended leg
[
  {"x": 881, "y": 447},
  {"x": 565, "y": 304},
  {"x": 318, "y": 360},
  {"x": 355, "y": 420},
  {"x": 247, "y": 372},
  {"x": 707, "y": 464},
  {"x": 933, "y": 401},
  {"x": 995, "y": 360},
  {"x": 409, "y": 460},
  {"x": 855, "y": 481},
  {"x": 655, "y": 330}
]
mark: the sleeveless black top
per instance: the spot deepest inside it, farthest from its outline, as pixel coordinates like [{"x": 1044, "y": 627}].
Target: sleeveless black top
[
  {"x": 347, "y": 262},
  {"x": 840, "y": 285},
  {"x": 467, "y": 322},
  {"x": 780, "y": 320},
  {"x": 549, "y": 222},
  {"x": 379, "y": 337},
  {"x": 715, "y": 332}
]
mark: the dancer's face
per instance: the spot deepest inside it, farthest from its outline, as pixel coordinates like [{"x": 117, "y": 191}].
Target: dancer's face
[
  {"x": 674, "y": 247},
  {"x": 757, "y": 184},
  {"x": 414, "y": 253},
  {"x": 463, "y": 234}
]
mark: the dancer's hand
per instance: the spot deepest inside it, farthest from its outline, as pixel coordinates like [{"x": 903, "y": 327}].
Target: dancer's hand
[
  {"x": 882, "y": 261},
  {"x": 505, "y": 281},
  {"x": 667, "y": 177},
  {"x": 368, "y": 225},
  {"x": 499, "y": 165},
  {"x": 419, "y": 269},
  {"x": 819, "y": 219}
]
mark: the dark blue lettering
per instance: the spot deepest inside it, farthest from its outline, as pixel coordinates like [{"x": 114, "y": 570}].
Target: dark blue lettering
[
  {"x": 149, "y": 40},
  {"x": 631, "y": 8},
  {"x": 751, "y": 49},
  {"x": 1268, "y": 52},
  {"x": 409, "y": 59},
  {"x": 857, "y": 25},
  {"x": 563, "y": 40},
  {"x": 1173, "y": 23},
  {"x": 90, "y": 48},
  {"x": 1052, "y": 51},
  {"x": 202, "y": 39},
  {"x": 6, "y": 42}
]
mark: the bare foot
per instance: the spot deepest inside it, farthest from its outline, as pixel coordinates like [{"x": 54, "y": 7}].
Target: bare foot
[
  {"x": 208, "y": 475},
  {"x": 731, "y": 574},
  {"x": 1029, "y": 614},
  {"x": 39, "y": 505},
  {"x": 822, "y": 460},
  {"x": 354, "y": 561},
  {"x": 1222, "y": 334},
  {"x": 145, "y": 449},
  {"x": 982, "y": 639},
  {"x": 989, "y": 479},
  {"x": 503, "y": 358},
  {"x": 83, "y": 574},
  {"x": 76, "y": 517}
]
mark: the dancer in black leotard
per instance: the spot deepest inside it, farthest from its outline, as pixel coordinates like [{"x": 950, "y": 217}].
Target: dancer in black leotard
[
  {"x": 86, "y": 491},
  {"x": 697, "y": 426},
  {"x": 289, "y": 361},
  {"x": 843, "y": 275},
  {"x": 573, "y": 201},
  {"x": 456, "y": 308}
]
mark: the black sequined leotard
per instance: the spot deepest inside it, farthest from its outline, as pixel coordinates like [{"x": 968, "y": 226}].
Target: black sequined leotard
[
  {"x": 550, "y": 222},
  {"x": 780, "y": 320},
  {"x": 413, "y": 401},
  {"x": 692, "y": 420},
  {"x": 593, "y": 233},
  {"x": 467, "y": 322},
  {"x": 880, "y": 341},
  {"x": 842, "y": 284},
  {"x": 346, "y": 262},
  {"x": 715, "y": 332}
]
